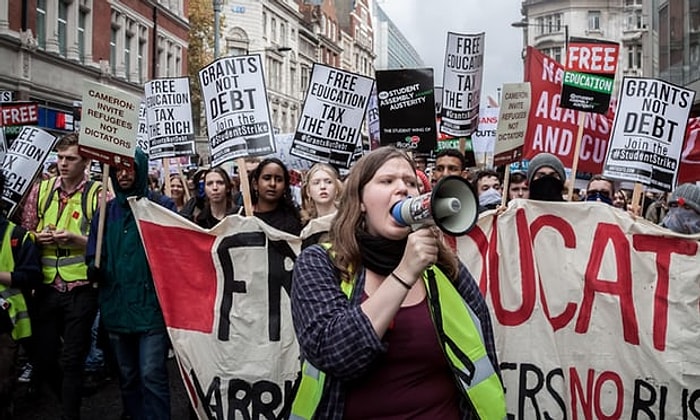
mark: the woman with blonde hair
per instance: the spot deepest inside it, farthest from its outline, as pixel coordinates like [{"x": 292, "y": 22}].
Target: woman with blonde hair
[
  {"x": 319, "y": 195},
  {"x": 177, "y": 191}
]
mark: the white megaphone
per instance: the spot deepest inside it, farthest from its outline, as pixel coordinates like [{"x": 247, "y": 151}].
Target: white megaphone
[{"x": 452, "y": 206}]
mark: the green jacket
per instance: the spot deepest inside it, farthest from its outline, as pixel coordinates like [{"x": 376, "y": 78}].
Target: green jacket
[{"x": 128, "y": 301}]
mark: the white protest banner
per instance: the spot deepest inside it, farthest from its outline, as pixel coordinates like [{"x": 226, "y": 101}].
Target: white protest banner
[
  {"x": 484, "y": 138},
  {"x": 283, "y": 143},
  {"x": 331, "y": 121},
  {"x": 109, "y": 125},
  {"x": 595, "y": 313},
  {"x": 648, "y": 132},
  {"x": 512, "y": 123},
  {"x": 230, "y": 320},
  {"x": 23, "y": 161},
  {"x": 142, "y": 131},
  {"x": 235, "y": 99},
  {"x": 461, "y": 94},
  {"x": 3, "y": 144},
  {"x": 169, "y": 116}
]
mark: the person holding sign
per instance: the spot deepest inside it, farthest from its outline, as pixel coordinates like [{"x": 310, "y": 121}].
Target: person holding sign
[
  {"x": 272, "y": 196},
  {"x": 376, "y": 309},
  {"x": 129, "y": 307},
  {"x": 20, "y": 272},
  {"x": 218, "y": 201},
  {"x": 59, "y": 211}
]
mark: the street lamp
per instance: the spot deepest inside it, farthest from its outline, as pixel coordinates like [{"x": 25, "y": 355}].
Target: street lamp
[
  {"x": 217, "y": 14},
  {"x": 524, "y": 24},
  {"x": 270, "y": 49}
]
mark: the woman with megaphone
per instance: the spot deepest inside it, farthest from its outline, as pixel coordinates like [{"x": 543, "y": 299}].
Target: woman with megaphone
[{"x": 389, "y": 322}]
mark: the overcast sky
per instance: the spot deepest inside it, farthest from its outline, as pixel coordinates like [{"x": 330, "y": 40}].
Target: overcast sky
[{"x": 426, "y": 23}]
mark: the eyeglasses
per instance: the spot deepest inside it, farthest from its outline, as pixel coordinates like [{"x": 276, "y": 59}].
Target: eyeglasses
[{"x": 603, "y": 193}]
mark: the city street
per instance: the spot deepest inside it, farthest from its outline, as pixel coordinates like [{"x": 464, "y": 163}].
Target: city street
[{"x": 103, "y": 404}]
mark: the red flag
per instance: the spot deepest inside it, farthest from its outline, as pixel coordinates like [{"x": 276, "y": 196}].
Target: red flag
[
  {"x": 689, "y": 170},
  {"x": 553, "y": 129}
]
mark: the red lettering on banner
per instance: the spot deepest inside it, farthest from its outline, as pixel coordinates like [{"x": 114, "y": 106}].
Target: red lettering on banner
[
  {"x": 663, "y": 248},
  {"x": 569, "y": 236},
  {"x": 591, "y": 399},
  {"x": 622, "y": 287},
  {"x": 482, "y": 244},
  {"x": 527, "y": 278},
  {"x": 187, "y": 292}
]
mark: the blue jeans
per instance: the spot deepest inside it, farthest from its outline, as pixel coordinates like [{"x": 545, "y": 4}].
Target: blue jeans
[
  {"x": 95, "y": 361},
  {"x": 143, "y": 374}
]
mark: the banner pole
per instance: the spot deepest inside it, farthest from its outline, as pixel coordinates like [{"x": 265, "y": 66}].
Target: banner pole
[
  {"x": 245, "y": 187},
  {"x": 166, "y": 175},
  {"x": 577, "y": 151},
  {"x": 184, "y": 181},
  {"x": 636, "y": 198},
  {"x": 506, "y": 185},
  {"x": 103, "y": 214}
]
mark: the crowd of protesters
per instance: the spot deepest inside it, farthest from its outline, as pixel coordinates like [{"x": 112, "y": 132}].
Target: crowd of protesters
[{"x": 52, "y": 285}]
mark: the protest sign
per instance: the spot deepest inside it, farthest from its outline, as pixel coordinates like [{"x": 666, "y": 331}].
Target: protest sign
[
  {"x": 22, "y": 162},
  {"x": 3, "y": 144},
  {"x": 230, "y": 322},
  {"x": 19, "y": 113},
  {"x": 407, "y": 109},
  {"x": 553, "y": 129},
  {"x": 283, "y": 143},
  {"x": 589, "y": 78},
  {"x": 594, "y": 312},
  {"x": 462, "y": 74},
  {"x": 331, "y": 120},
  {"x": 169, "y": 118},
  {"x": 373, "y": 119},
  {"x": 235, "y": 99},
  {"x": 142, "y": 131},
  {"x": 109, "y": 125},
  {"x": 484, "y": 138},
  {"x": 512, "y": 123},
  {"x": 690, "y": 157},
  {"x": 648, "y": 132}
]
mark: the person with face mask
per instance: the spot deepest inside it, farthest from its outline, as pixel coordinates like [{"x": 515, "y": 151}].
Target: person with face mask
[
  {"x": 600, "y": 189},
  {"x": 684, "y": 210},
  {"x": 488, "y": 187},
  {"x": 545, "y": 177}
]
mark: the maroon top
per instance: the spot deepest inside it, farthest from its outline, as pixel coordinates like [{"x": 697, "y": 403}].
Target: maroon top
[{"x": 412, "y": 380}]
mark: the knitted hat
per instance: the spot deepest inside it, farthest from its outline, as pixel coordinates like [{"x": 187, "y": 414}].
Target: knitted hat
[
  {"x": 545, "y": 160},
  {"x": 687, "y": 194}
]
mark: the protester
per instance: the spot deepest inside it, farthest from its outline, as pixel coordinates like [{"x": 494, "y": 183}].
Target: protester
[
  {"x": 656, "y": 212},
  {"x": 684, "y": 210},
  {"x": 129, "y": 307},
  {"x": 20, "y": 273},
  {"x": 59, "y": 211},
  {"x": 487, "y": 184},
  {"x": 449, "y": 162},
  {"x": 218, "y": 201},
  {"x": 320, "y": 192},
  {"x": 272, "y": 197},
  {"x": 363, "y": 316},
  {"x": 620, "y": 200},
  {"x": 177, "y": 191},
  {"x": 517, "y": 186},
  {"x": 600, "y": 189},
  {"x": 545, "y": 178}
]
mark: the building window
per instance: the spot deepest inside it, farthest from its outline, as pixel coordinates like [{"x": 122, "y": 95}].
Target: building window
[
  {"x": 635, "y": 20},
  {"x": 273, "y": 29},
  {"x": 139, "y": 59},
  {"x": 594, "y": 20},
  {"x": 264, "y": 25},
  {"x": 273, "y": 73},
  {"x": 634, "y": 56},
  {"x": 82, "y": 18},
  {"x": 62, "y": 28},
  {"x": 127, "y": 57},
  {"x": 283, "y": 34},
  {"x": 41, "y": 23},
  {"x": 113, "y": 51}
]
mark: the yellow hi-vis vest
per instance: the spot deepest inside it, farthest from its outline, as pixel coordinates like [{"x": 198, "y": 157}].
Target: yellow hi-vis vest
[
  {"x": 18, "y": 307},
  {"x": 77, "y": 213},
  {"x": 460, "y": 337}
]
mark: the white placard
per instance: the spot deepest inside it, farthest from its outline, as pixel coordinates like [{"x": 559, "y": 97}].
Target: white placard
[
  {"x": 512, "y": 122},
  {"x": 648, "y": 132},
  {"x": 462, "y": 75},
  {"x": 169, "y": 117},
  {"x": 235, "y": 100}
]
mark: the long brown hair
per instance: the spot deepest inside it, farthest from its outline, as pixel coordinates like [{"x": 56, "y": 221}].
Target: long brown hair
[{"x": 347, "y": 253}]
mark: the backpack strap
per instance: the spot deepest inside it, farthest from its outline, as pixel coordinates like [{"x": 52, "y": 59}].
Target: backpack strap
[
  {"x": 88, "y": 203},
  {"x": 43, "y": 203}
]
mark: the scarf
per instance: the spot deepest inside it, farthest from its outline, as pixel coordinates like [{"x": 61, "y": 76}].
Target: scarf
[
  {"x": 547, "y": 188},
  {"x": 379, "y": 254}
]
